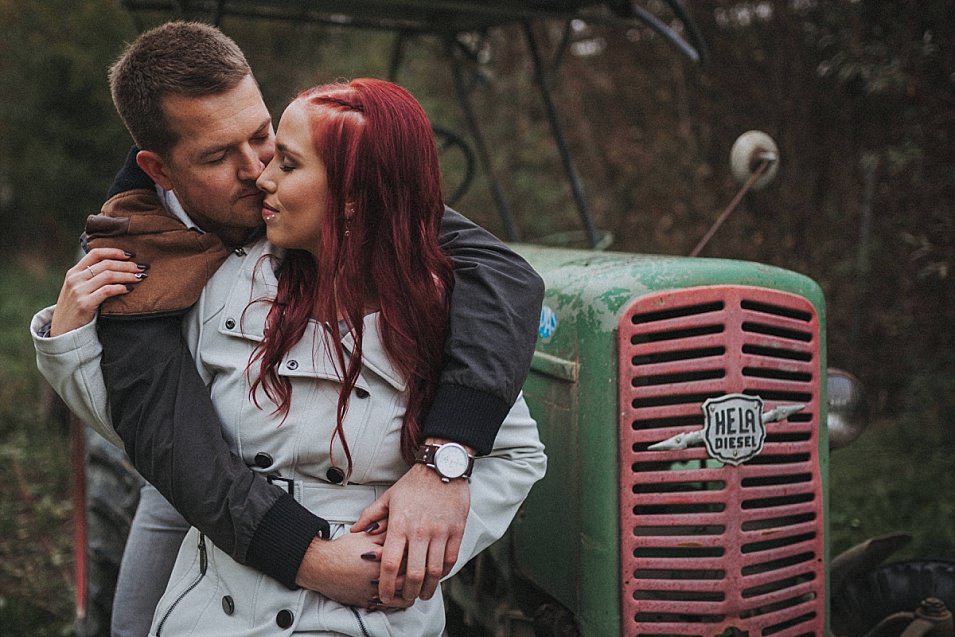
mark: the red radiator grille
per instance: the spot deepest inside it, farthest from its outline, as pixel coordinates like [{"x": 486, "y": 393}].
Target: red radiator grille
[{"x": 710, "y": 549}]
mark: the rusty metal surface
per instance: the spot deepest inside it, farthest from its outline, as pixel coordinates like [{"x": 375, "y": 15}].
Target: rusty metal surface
[{"x": 707, "y": 547}]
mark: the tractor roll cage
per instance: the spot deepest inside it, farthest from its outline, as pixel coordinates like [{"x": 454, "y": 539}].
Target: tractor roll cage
[{"x": 451, "y": 19}]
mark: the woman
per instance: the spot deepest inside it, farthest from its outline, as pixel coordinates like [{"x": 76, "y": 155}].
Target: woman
[{"x": 320, "y": 350}]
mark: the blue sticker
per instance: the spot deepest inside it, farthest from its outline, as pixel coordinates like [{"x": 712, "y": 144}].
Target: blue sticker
[{"x": 548, "y": 323}]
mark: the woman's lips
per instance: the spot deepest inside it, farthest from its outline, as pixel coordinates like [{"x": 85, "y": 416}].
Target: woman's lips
[{"x": 268, "y": 212}]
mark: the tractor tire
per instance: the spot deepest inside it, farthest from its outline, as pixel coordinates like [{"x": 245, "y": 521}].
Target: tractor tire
[
  {"x": 112, "y": 494},
  {"x": 897, "y": 587}
]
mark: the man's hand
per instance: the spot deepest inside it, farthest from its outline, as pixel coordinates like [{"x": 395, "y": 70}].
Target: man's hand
[
  {"x": 99, "y": 275},
  {"x": 346, "y": 570},
  {"x": 425, "y": 523}
]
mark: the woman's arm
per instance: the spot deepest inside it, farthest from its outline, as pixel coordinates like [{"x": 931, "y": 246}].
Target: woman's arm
[{"x": 501, "y": 482}]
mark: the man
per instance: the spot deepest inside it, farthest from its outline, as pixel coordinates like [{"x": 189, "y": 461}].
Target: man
[{"x": 187, "y": 96}]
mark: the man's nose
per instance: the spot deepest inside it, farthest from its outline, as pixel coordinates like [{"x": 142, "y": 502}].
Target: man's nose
[{"x": 251, "y": 166}]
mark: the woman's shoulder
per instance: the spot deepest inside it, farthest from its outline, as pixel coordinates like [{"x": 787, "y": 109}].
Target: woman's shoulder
[{"x": 247, "y": 273}]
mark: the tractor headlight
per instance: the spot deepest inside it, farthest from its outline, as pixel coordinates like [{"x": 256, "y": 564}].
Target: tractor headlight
[{"x": 847, "y": 409}]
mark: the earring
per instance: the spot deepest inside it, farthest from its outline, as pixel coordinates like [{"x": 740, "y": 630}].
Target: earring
[{"x": 349, "y": 213}]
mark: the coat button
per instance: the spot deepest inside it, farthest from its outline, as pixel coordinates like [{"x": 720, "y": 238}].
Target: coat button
[
  {"x": 228, "y": 606},
  {"x": 230, "y": 324},
  {"x": 361, "y": 393},
  {"x": 335, "y": 475},
  {"x": 292, "y": 364},
  {"x": 284, "y": 618},
  {"x": 263, "y": 460}
]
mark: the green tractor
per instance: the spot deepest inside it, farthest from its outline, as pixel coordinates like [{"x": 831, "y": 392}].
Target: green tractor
[{"x": 686, "y": 404}]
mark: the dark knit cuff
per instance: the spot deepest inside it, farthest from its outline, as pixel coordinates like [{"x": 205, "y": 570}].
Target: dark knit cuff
[
  {"x": 467, "y": 416},
  {"x": 281, "y": 539}
]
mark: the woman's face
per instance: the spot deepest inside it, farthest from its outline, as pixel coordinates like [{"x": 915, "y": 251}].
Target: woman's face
[{"x": 295, "y": 185}]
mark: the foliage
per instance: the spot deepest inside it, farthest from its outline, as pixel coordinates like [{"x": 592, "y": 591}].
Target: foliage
[
  {"x": 895, "y": 478},
  {"x": 860, "y": 97},
  {"x": 35, "y": 507},
  {"x": 60, "y": 135}
]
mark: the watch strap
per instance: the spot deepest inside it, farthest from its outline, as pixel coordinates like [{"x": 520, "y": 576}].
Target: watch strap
[{"x": 426, "y": 454}]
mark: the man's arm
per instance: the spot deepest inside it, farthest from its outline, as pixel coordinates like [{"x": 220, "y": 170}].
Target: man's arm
[
  {"x": 162, "y": 411},
  {"x": 495, "y": 313}
]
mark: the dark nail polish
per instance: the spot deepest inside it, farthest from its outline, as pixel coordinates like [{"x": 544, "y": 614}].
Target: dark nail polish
[
  {"x": 129, "y": 254},
  {"x": 141, "y": 276},
  {"x": 130, "y": 287},
  {"x": 372, "y": 527},
  {"x": 371, "y": 557},
  {"x": 374, "y": 582},
  {"x": 142, "y": 266}
]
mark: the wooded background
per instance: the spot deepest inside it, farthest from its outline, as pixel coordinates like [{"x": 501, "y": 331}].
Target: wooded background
[{"x": 860, "y": 97}]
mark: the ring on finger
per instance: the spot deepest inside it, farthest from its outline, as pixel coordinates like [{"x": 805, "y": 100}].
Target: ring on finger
[{"x": 89, "y": 269}]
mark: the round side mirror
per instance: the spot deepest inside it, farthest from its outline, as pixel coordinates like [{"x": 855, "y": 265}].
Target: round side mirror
[
  {"x": 848, "y": 416},
  {"x": 750, "y": 150}
]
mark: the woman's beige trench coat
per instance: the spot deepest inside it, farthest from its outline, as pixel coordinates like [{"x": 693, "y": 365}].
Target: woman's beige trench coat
[{"x": 208, "y": 592}]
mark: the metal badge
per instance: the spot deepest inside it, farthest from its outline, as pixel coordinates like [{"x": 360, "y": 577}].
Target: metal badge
[
  {"x": 734, "y": 428},
  {"x": 734, "y": 431}
]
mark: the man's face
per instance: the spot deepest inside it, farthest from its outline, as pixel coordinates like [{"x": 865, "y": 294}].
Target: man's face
[{"x": 225, "y": 141}]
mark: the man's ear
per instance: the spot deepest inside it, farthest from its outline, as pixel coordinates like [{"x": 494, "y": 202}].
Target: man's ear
[{"x": 156, "y": 167}]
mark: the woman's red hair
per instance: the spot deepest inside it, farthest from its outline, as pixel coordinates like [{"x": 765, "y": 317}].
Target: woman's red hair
[{"x": 379, "y": 245}]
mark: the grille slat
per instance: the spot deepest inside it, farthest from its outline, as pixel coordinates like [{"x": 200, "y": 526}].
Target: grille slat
[
  {"x": 682, "y": 541},
  {"x": 719, "y": 545},
  {"x": 779, "y": 491},
  {"x": 704, "y": 519},
  {"x": 691, "y": 343},
  {"x": 752, "y": 360},
  {"x": 670, "y": 477},
  {"x": 690, "y": 497},
  {"x": 755, "y": 339},
  {"x": 786, "y": 572},
  {"x": 781, "y": 552},
  {"x": 682, "y": 396}
]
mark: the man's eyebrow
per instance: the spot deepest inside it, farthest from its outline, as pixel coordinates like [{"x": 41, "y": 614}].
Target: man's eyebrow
[
  {"x": 215, "y": 150},
  {"x": 265, "y": 125}
]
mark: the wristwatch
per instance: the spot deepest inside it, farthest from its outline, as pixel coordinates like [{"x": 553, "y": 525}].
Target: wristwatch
[{"x": 450, "y": 460}]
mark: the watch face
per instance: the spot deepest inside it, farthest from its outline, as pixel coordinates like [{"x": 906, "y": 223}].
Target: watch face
[{"x": 451, "y": 461}]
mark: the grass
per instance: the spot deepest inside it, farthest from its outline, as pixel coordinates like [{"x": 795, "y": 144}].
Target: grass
[
  {"x": 896, "y": 477},
  {"x": 35, "y": 528}
]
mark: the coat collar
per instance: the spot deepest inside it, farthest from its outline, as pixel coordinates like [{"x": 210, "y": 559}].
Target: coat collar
[{"x": 248, "y": 305}]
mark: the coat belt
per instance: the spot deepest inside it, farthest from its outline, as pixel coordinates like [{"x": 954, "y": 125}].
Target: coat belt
[{"x": 336, "y": 503}]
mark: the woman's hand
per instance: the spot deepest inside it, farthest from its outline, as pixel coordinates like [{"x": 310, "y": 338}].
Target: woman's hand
[
  {"x": 346, "y": 570},
  {"x": 99, "y": 275}
]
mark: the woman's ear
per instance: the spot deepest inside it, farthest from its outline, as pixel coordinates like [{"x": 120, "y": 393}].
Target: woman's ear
[{"x": 155, "y": 166}]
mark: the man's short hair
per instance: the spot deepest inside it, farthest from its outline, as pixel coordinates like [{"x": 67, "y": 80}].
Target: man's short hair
[{"x": 177, "y": 58}]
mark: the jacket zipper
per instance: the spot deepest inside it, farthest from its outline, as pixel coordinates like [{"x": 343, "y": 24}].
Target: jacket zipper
[
  {"x": 203, "y": 564},
  {"x": 361, "y": 624}
]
